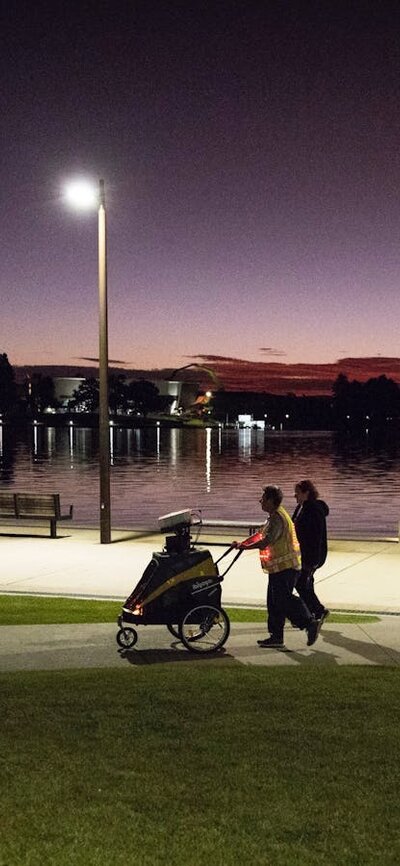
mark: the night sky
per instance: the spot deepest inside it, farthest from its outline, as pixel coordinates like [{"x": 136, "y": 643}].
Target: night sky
[{"x": 252, "y": 165}]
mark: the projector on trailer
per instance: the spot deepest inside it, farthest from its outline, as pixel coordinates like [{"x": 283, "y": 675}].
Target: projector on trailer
[{"x": 175, "y": 520}]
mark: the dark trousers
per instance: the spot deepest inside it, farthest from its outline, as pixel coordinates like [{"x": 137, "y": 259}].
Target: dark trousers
[
  {"x": 282, "y": 604},
  {"x": 305, "y": 588}
]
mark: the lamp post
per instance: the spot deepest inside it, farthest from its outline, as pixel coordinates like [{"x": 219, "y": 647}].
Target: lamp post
[
  {"x": 104, "y": 433},
  {"x": 83, "y": 195}
]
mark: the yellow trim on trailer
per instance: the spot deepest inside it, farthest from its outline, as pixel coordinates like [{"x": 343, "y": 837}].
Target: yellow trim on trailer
[{"x": 207, "y": 568}]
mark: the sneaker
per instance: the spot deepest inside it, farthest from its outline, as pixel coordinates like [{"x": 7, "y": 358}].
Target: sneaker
[
  {"x": 271, "y": 643},
  {"x": 313, "y": 630},
  {"x": 324, "y": 615}
]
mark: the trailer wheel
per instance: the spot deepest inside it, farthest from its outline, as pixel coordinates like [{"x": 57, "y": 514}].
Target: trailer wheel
[
  {"x": 174, "y": 630},
  {"x": 127, "y": 637},
  {"x": 204, "y": 629}
]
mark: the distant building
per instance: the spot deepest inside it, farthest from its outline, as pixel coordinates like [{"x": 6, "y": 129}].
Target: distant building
[
  {"x": 64, "y": 389},
  {"x": 249, "y": 421},
  {"x": 183, "y": 393}
]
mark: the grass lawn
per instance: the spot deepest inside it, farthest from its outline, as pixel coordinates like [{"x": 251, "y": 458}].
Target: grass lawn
[
  {"x": 31, "y": 610},
  {"x": 200, "y": 764}
]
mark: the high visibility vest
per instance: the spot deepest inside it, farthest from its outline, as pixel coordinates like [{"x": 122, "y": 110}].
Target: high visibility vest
[{"x": 284, "y": 553}]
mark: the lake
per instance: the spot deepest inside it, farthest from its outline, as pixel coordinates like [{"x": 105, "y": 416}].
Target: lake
[{"x": 220, "y": 471}]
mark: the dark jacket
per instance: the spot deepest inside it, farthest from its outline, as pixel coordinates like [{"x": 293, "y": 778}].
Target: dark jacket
[{"x": 310, "y": 522}]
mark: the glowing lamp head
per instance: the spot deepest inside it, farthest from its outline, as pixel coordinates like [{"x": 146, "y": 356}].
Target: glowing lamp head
[{"x": 82, "y": 194}]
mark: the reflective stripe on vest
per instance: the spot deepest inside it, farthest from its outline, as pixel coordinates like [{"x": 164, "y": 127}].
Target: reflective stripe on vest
[{"x": 285, "y": 552}]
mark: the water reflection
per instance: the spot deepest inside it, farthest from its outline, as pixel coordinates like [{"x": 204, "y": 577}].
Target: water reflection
[
  {"x": 158, "y": 436},
  {"x": 50, "y": 439},
  {"x": 7, "y": 453},
  {"x": 174, "y": 445},
  {"x": 71, "y": 443},
  {"x": 138, "y": 440},
  {"x": 35, "y": 438},
  {"x": 221, "y": 471},
  {"x": 86, "y": 449},
  {"x": 381, "y": 451},
  {"x": 244, "y": 442},
  {"x": 208, "y": 459}
]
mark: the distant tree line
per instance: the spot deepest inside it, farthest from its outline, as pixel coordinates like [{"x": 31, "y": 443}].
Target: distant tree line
[
  {"x": 139, "y": 397},
  {"x": 8, "y": 388},
  {"x": 290, "y": 411},
  {"x": 353, "y": 406},
  {"x": 365, "y": 405},
  {"x": 29, "y": 400},
  {"x": 36, "y": 395}
]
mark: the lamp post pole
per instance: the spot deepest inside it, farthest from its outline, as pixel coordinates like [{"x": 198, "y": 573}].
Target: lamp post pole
[{"x": 104, "y": 431}]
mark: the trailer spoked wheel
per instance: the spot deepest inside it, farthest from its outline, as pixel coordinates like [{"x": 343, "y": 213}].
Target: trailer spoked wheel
[
  {"x": 174, "y": 630},
  {"x": 204, "y": 629},
  {"x": 127, "y": 637}
]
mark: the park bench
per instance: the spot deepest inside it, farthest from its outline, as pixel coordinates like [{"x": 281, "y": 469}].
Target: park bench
[
  {"x": 33, "y": 506},
  {"x": 250, "y": 526}
]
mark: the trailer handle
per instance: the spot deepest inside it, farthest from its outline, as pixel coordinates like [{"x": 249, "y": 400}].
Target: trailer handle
[{"x": 235, "y": 558}]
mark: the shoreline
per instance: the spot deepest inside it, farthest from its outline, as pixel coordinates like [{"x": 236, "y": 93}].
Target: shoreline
[{"x": 124, "y": 422}]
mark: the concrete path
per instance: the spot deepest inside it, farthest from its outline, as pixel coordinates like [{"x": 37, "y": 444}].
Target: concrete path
[
  {"x": 358, "y": 576},
  {"x": 361, "y": 575},
  {"x": 56, "y": 647}
]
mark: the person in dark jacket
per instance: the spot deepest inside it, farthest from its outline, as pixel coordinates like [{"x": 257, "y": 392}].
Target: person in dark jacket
[{"x": 309, "y": 518}]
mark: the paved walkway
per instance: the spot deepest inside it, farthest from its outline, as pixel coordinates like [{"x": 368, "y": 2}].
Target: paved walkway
[
  {"x": 55, "y": 647},
  {"x": 358, "y": 576}
]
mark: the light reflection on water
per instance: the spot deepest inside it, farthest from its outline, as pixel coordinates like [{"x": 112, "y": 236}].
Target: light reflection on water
[{"x": 156, "y": 470}]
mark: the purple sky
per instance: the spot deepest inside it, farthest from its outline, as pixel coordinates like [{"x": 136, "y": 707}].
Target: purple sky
[{"x": 252, "y": 166}]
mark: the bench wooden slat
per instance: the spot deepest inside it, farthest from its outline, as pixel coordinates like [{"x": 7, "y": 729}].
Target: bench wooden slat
[
  {"x": 7, "y": 504},
  {"x": 40, "y": 505},
  {"x": 34, "y": 506}
]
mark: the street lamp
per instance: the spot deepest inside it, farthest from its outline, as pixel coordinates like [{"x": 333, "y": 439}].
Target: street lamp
[{"x": 84, "y": 195}]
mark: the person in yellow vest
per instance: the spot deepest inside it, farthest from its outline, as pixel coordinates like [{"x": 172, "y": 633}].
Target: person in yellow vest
[{"x": 280, "y": 558}]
